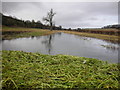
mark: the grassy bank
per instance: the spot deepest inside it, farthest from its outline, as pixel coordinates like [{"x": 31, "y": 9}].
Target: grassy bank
[
  {"x": 109, "y": 31},
  {"x": 111, "y": 38},
  {"x": 34, "y": 70},
  {"x": 13, "y": 32}
]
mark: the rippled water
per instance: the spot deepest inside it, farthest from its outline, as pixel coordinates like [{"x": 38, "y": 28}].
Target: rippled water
[{"x": 62, "y": 43}]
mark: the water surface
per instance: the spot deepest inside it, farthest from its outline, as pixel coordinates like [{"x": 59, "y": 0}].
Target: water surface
[{"x": 62, "y": 43}]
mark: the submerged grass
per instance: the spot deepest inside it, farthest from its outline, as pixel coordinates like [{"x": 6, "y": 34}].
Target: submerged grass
[
  {"x": 13, "y": 32},
  {"x": 111, "y": 38},
  {"x": 34, "y": 70},
  {"x": 17, "y": 32}
]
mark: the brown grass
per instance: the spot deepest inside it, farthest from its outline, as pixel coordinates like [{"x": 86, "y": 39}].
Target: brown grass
[
  {"x": 111, "y": 38},
  {"x": 25, "y": 32},
  {"x": 102, "y": 31}
]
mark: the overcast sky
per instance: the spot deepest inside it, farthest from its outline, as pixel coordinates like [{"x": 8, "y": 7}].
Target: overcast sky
[{"x": 68, "y": 14}]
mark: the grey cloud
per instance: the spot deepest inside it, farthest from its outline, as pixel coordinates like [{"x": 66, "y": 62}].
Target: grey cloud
[
  {"x": 109, "y": 8},
  {"x": 9, "y": 7},
  {"x": 69, "y": 14}
]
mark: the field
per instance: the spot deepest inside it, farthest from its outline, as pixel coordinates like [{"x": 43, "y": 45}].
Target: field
[
  {"x": 109, "y": 31},
  {"x": 13, "y": 32},
  {"x": 110, "y": 38},
  {"x": 35, "y": 70}
]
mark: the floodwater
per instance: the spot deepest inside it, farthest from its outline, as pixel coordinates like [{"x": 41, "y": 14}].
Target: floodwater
[{"x": 68, "y": 44}]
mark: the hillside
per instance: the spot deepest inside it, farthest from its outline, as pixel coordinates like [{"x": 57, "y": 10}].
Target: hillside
[{"x": 15, "y": 22}]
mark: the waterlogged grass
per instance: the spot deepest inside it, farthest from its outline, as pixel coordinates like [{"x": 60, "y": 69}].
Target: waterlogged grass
[
  {"x": 111, "y": 38},
  {"x": 17, "y": 32},
  {"x": 34, "y": 70},
  {"x": 13, "y": 32}
]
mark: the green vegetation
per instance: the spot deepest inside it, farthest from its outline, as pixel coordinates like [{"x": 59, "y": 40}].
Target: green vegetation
[
  {"x": 15, "y": 22},
  {"x": 16, "y": 32},
  {"x": 13, "y": 32},
  {"x": 34, "y": 70}
]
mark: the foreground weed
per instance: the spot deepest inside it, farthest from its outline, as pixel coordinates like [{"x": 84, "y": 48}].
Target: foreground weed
[{"x": 34, "y": 70}]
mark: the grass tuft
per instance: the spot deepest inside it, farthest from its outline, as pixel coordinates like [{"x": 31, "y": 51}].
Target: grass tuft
[{"x": 35, "y": 70}]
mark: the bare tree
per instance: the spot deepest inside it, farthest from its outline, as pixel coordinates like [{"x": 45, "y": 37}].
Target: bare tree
[{"x": 49, "y": 18}]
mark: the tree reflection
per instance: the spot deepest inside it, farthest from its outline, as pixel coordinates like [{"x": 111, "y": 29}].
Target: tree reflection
[{"x": 48, "y": 42}]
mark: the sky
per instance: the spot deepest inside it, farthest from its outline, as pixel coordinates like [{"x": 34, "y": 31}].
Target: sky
[{"x": 68, "y": 14}]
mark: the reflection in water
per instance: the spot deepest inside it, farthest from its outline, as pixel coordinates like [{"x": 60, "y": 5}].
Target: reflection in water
[
  {"x": 82, "y": 38},
  {"x": 48, "y": 41},
  {"x": 49, "y": 44},
  {"x": 62, "y": 43},
  {"x": 111, "y": 47}
]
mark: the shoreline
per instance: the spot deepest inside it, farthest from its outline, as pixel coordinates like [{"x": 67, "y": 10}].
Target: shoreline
[
  {"x": 109, "y": 38},
  {"x": 13, "y": 32}
]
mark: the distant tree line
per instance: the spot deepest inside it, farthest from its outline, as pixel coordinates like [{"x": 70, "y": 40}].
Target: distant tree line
[
  {"x": 117, "y": 26},
  {"x": 15, "y": 22}
]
